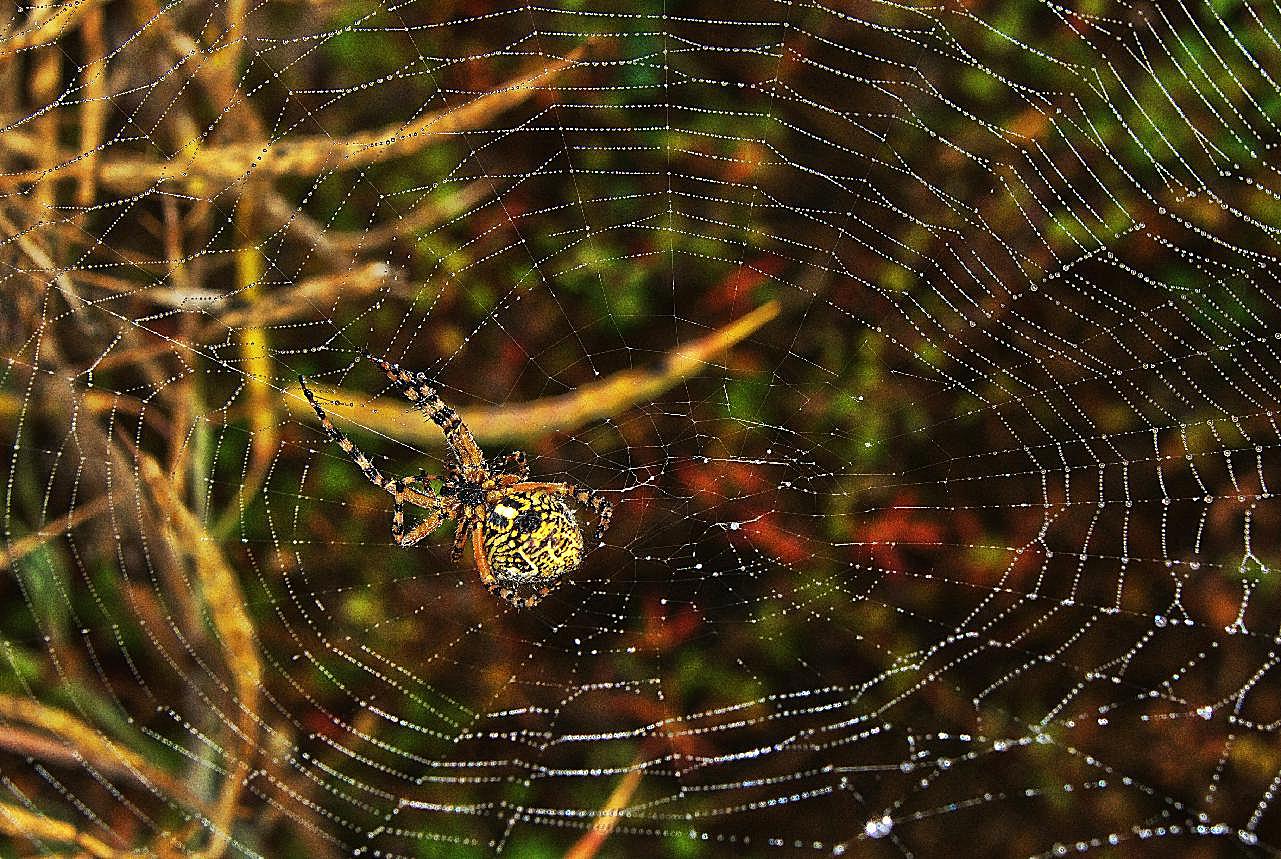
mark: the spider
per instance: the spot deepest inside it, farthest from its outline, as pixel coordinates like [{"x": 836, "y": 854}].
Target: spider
[{"x": 523, "y": 533}]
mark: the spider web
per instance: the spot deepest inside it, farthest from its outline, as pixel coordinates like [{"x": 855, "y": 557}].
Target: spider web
[{"x": 928, "y": 354}]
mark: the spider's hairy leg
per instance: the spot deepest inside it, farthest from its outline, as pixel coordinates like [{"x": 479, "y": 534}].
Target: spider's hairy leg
[
  {"x": 466, "y": 526},
  {"x": 589, "y": 498},
  {"x": 478, "y": 549},
  {"x": 430, "y": 523},
  {"x": 337, "y": 436},
  {"x": 419, "y": 391},
  {"x": 514, "y": 464}
]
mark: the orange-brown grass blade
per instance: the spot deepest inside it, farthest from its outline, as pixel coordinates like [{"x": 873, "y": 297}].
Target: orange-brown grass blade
[
  {"x": 261, "y": 307},
  {"x": 95, "y": 401},
  {"x": 27, "y": 826},
  {"x": 93, "y": 112},
  {"x": 303, "y": 298},
  {"x": 221, "y": 592},
  {"x": 63, "y": 738},
  {"x": 608, "y": 397},
  {"x": 196, "y": 167},
  {"x": 56, "y": 21},
  {"x": 28, "y": 543},
  {"x": 591, "y": 842}
]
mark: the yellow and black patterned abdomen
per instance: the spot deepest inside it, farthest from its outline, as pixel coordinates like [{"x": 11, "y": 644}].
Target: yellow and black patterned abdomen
[{"x": 532, "y": 540}]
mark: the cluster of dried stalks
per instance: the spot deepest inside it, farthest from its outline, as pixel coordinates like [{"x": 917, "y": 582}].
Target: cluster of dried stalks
[{"x": 159, "y": 497}]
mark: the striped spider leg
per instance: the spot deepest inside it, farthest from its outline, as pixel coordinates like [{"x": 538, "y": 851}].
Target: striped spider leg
[{"x": 414, "y": 489}]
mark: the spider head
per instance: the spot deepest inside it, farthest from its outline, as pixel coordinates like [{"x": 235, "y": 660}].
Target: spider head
[
  {"x": 531, "y": 541},
  {"x": 472, "y": 496}
]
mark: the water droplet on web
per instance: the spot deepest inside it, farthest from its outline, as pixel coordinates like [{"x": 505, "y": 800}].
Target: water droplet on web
[{"x": 879, "y": 827}]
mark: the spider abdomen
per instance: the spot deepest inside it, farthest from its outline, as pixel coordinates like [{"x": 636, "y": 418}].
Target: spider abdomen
[{"x": 532, "y": 539}]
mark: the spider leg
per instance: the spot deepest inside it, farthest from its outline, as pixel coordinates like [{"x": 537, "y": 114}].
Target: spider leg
[
  {"x": 589, "y": 498},
  {"x": 514, "y": 464},
  {"x": 405, "y": 538},
  {"x": 336, "y": 436},
  {"x": 465, "y": 528},
  {"x": 482, "y": 563},
  {"x": 419, "y": 391},
  {"x": 398, "y": 486}
]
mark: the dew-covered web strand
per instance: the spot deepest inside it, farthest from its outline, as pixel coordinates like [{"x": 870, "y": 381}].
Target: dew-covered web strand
[{"x": 975, "y": 531}]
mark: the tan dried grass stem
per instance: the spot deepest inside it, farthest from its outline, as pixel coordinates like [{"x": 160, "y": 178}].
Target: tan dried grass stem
[
  {"x": 610, "y": 813},
  {"x": 428, "y": 215},
  {"x": 221, "y": 592},
  {"x": 57, "y": 21},
  {"x": 309, "y": 155},
  {"x": 93, "y": 112},
  {"x": 306, "y": 296},
  {"x": 28, "y": 543},
  {"x": 607, "y": 397},
  {"x": 29, "y": 826},
  {"x": 255, "y": 352},
  {"x": 77, "y": 741}
]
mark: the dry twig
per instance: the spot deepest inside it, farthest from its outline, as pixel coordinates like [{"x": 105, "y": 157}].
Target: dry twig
[
  {"x": 59, "y": 734},
  {"x": 28, "y": 543},
  {"x": 198, "y": 167},
  {"x": 565, "y": 412}
]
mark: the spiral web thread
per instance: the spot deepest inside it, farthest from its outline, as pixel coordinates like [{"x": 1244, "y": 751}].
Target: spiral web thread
[{"x": 967, "y": 546}]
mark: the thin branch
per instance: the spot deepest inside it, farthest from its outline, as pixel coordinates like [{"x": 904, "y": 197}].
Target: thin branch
[
  {"x": 28, "y": 543},
  {"x": 63, "y": 738},
  {"x": 198, "y": 167},
  {"x": 607, "y": 397}
]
